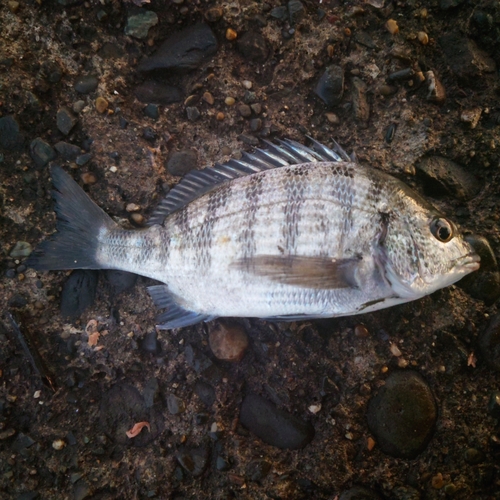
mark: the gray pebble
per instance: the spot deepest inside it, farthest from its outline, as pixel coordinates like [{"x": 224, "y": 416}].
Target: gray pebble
[
  {"x": 182, "y": 162},
  {"x": 280, "y": 12},
  {"x": 41, "y": 152},
  {"x": 192, "y": 113},
  {"x": 295, "y": 10},
  {"x": 86, "y": 84},
  {"x": 65, "y": 120},
  {"x": 402, "y": 414},
  {"x": 248, "y": 139},
  {"x": 17, "y": 301},
  {"x": 205, "y": 392},
  {"x": 83, "y": 159},
  {"x": 244, "y": 110},
  {"x": 67, "y": 151},
  {"x": 255, "y": 124},
  {"x": 330, "y": 87},
  {"x": 21, "y": 249},
  {"x": 138, "y": 25},
  {"x": 10, "y": 135},
  {"x": 175, "y": 405},
  {"x": 202, "y": 364},
  {"x": 149, "y": 134},
  {"x": 256, "y": 108},
  {"x": 183, "y": 51},
  {"x": 273, "y": 425},
  {"x": 152, "y": 111}
]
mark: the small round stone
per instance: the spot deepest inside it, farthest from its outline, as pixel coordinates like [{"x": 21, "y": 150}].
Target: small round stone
[
  {"x": 247, "y": 84},
  {"x": 137, "y": 218},
  {"x": 423, "y": 37},
  {"x": 229, "y": 101},
  {"x": 392, "y": 26},
  {"x": 220, "y": 116},
  {"x": 228, "y": 341},
  {"x": 58, "y": 444},
  {"x": 244, "y": 110},
  {"x": 231, "y": 34},
  {"x": 101, "y": 105},
  {"x": 208, "y": 98}
]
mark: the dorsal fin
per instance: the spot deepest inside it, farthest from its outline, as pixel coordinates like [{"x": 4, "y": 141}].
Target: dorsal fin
[{"x": 198, "y": 182}]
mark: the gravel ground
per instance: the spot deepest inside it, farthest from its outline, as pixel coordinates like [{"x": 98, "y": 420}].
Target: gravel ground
[{"x": 399, "y": 404}]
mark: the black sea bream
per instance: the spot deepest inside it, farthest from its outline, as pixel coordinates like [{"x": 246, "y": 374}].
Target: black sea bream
[{"x": 289, "y": 232}]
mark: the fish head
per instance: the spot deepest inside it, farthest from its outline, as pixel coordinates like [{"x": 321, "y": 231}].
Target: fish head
[{"x": 425, "y": 251}]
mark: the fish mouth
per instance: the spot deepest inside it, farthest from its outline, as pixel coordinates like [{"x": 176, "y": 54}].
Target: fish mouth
[{"x": 468, "y": 263}]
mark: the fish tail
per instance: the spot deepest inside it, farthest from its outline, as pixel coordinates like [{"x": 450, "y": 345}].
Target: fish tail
[{"x": 80, "y": 222}]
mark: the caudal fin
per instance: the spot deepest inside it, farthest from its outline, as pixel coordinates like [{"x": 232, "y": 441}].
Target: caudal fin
[{"x": 79, "y": 223}]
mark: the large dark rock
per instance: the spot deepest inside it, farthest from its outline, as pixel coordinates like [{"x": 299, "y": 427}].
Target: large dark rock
[
  {"x": 253, "y": 46},
  {"x": 330, "y": 87},
  {"x": 183, "y": 51}
]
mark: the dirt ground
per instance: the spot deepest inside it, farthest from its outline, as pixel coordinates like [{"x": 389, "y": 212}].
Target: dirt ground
[{"x": 64, "y": 414}]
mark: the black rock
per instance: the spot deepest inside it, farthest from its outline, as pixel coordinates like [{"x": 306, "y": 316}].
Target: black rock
[
  {"x": 10, "y": 135},
  {"x": 17, "y": 301},
  {"x": 65, "y": 120},
  {"x": 443, "y": 176},
  {"x": 330, "y": 87},
  {"x": 67, "y": 151},
  {"x": 489, "y": 343},
  {"x": 205, "y": 392},
  {"x": 253, "y": 46},
  {"x": 149, "y": 134},
  {"x": 193, "y": 460},
  {"x": 121, "y": 281},
  {"x": 21, "y": 442},
  {"x": 83, "y": 159},
  {"x": 157, "y": 93},
  {"x": 274, "y": 426},
  {"x": 78, "y": 292},
  {"x": 193, "y": 113},
  {"x": 402, "y": 415},
  {"x": 86, "y": 84},
  {"x": 183, "y": 51},
  {"x": 182, "y": 162},
  {"x": 221, "y": 464},
  {"x": 257, "y": 470},
  {"x": 152, "y": 111},
  {"x": 41, "y": 152},
  {"x": 359, "y": 493},
  {"x": 150, "y": 343}
]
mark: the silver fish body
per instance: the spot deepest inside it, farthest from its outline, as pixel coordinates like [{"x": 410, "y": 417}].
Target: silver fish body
[{"x": 290, "y": 232}]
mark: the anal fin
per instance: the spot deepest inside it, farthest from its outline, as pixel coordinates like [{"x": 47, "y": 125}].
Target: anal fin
[{"x": 175, "y": 316}]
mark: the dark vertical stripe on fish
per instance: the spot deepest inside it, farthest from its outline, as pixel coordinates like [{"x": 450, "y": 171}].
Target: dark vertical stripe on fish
[
  {"x": 252, "y": 197},
  {"x": 294, "y": 188}
]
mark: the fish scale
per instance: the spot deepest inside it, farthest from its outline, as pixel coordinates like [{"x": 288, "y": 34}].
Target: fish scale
[{"x": 290, "y": 232}]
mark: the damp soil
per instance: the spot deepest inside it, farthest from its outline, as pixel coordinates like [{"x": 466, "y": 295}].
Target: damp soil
[{"x": 71, "y": 388}]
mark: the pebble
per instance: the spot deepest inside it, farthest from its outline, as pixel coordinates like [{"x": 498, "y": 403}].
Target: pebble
[
  {"x": 256, "y": 107},
  {"x": 359, "y": 493},
  {"x": 387, "y": 90},
  {"x": 183, "y": 51},
  {"x": 67, "y": 151},
  {"x": 402, "y": 414},
  {"x": 175, "y": 405},
  {"x": 489, "y": 343},
  {"x": 295, "y": 11},
  {"x": 248, "y": 139},
  {"x": 392, "y": 26},
  {"x": 244, "y": 110},
  {"x": 152, "y": 111},
  {"x": 228, "y": 341},
  {"x": 229, "y": 101},
  {"x": 182, "y": 162},
  {"x": 231, "y": 34},
  {"x": 152, "y": 91},
  {"x": 255, "y": 124},
  {"x": 436, "y": 91},
  {"x": 101, "y": 105},
  {"x": 214, "y": 14},
  {"x": 120, "y": 281},
  {"x": 208, "y": 98},
  {"x": 423, "y": 37},
  {"x": 58, "y": 444},
  {"x": 253, "y": 46},
  {"x": 65, "y": 120},
  {"x": 150, "y": 343},
  {"x": 13, "y": 6},
  {"x": 41, "y": 152},
  {"x": 330, "y": 87},
  {"x": 83, "y": 159},
  {"x": 193, "y": 460},
  {"x": 444, "y": 176},
  {"x": 138, "y": 25},
  {"x": 360, "y": 106},
  {"x": 220, "y": 116},
  {"x": 86, "y": 84},
  {"x": 149, "y": 134},
  {"x": 332, "y": 118},
  {"x": 205, "y": 392},
  {"x": 247, "y": 84},
  {"x": 257, "y": 470},
  {"x": 78, "y": 292},
  {"x": 21, "y": 249},
  {"x": 193, "y": 113},
  {"x": 10, "y": 135},
  {"x": 473, "y": 456},
  {"x": 274, "y": 426},
  {"x": 471, "y": 117}
]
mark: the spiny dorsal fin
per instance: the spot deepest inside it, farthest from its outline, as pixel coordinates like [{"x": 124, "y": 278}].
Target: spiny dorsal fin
[{"x": 198, "y": 182}]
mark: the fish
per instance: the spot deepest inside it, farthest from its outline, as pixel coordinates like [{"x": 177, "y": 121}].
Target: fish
[{"x": 287, "y": 232}]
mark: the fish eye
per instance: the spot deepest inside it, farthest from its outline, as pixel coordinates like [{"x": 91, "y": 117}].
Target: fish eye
[{"x": 442, "y": 230}]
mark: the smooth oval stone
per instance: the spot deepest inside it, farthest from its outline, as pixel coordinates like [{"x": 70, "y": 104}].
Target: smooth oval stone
[
  {"x": 489, "y": 343},
  {"x": 402, "y": 414},
  {"x": 157, "y": 93},
  {"x": 330, "y": 87},
  {"x": 65, "y": 120},
  {"x": 21, "y": 249},
  {"x": 78, "y": 292},
  {"x": 183, "y": 51},
  {"x": 41, "y": 152},
  {"x": 67, "y": 151},
  {"x": 274, "y": 426}
]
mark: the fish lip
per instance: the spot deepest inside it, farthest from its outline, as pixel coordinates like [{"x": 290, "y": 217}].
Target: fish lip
[{"x": 469, "y": 263}]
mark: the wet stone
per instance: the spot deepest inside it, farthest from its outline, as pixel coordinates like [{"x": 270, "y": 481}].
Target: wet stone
[
  {"x": 253, "y": 46},
  {"x": 274, "y": 426},
  {"x": 359, "y": 493},
  {"x": 228, "y": 341},
  {"x": 120, "y": 281},
  {"x": 182, "y": 162},
  {"x": 78, "y": 292},
  {"x": 150, "y": 343},
  {"x": 65, "y": 120},
  {"x": 193, "y": 460},
  {"x": 183, "y": 51},
  {"x": 175, "y": 404},
  {"x": 330, "y": 87},
  {"x": 139, "y": 25},
  {"x": 402, "y": 415},
  {"x": 280, "y": 12},
  {"x": 489, "y": 343},
  {"x": 21, "y": 249},
  {"x": 152, "y": 111},
  {"x": 443, "y": 176},
  {"x": 295, "y": 10},
  {"x": 10, "y": 135},
  {"x": 155, "y": 92},
  {"x": 41, "y": 152},
  {"x": 67, "y": 151},
  {"x": 244, "y": 110},
  {"x": 86, "y": 84}
]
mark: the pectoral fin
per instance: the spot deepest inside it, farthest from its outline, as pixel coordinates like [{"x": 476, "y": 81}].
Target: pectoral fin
[{"x": 306, "y": 272}]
